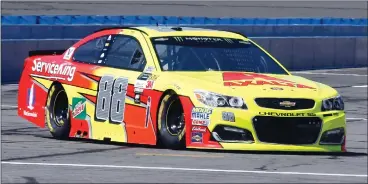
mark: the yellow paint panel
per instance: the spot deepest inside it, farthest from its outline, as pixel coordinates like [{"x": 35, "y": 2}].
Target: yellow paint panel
[
  {"x": 99, "y": 130},
  {"x": 45, "y": 82}
]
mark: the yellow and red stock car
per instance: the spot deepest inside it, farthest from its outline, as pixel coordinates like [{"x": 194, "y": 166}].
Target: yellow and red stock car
[{"x": 179, "y": 87}]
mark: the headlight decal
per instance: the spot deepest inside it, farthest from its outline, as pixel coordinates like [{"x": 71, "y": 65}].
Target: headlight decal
[{"x": 217, "y": 100}]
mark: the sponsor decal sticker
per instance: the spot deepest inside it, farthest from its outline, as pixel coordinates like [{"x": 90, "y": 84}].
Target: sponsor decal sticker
[
  {"x": 140, "y": 84},
  {"x": 79, "y": 108},
  {"x": 149, "y": 84},
  {"x": 62, "y": 71},
  {"x": 200, "y": 122},
  {"x": 144, "y": 76},
  {"x": 29, "y": 114},
  {"x": 197, "y": 137},
  {"x": 69, "y": 53},
  {"x": 203, "y": 39},
  {"x": 176, "y": 86},
  {"x": 228, "y": 116},
  {"x": 200, "y": 113},
  {"x": 149, "y": 69},
  {"x": 276, "y": 88},
  {"x": 199, "y": 129},
  {"x": 161, "y": 39},
  {"x": 144, "y": 84},
  {"x": 248, "y": 79},
  {"x": 153, "y": 77},
  {"x": 147, "y": 76},
  {"x": 138, "y": 90},
  {"x": 286, "y": 114}
]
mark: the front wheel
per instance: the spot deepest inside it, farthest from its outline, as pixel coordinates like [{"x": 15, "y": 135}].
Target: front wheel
[
  {"x": 57, "y": 112},
  {"x": 171, "y": 123}
]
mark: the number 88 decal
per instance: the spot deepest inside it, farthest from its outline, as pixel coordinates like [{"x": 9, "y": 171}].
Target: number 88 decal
[{"x": 110, "y": 103}]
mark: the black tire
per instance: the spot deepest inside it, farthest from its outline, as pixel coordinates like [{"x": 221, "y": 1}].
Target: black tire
[
  {"x": 57, "y": 112},
  {"x": 171, "y": 124}
]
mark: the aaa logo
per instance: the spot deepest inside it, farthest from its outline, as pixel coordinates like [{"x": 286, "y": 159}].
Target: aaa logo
[{"x": 247, "y": 79}]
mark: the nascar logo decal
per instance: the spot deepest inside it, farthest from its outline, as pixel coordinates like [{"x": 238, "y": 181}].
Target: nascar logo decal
[{"x": 246, "y": 79}]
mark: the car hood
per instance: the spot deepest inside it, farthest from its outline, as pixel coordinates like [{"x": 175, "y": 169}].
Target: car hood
[{"x": 252, "y": 84}]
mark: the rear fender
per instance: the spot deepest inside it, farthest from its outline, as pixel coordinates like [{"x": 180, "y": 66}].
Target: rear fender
[{"x": 32, "y": 95}]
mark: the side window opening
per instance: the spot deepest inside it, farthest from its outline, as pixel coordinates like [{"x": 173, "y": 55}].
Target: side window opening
[
  {"x": 90, "y": 51},
  {"x": 126, "y": 53}
]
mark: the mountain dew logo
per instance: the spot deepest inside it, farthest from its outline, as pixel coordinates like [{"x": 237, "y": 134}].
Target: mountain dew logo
[{"x": 79, "y": 108}]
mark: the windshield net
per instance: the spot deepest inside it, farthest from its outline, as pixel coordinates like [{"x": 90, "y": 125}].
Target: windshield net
[{"x": 191, "y": 53}]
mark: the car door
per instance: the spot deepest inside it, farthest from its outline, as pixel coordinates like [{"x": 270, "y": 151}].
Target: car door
[{"x": 118, "y": 61}]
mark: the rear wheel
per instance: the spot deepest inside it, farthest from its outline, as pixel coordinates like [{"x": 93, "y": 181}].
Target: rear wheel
[
  {"x": 57, "y": 112},
  {"x": 171, "y": 122}
]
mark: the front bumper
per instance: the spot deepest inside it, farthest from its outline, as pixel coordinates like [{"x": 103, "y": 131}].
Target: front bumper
[{"x": 244, "y": 119}]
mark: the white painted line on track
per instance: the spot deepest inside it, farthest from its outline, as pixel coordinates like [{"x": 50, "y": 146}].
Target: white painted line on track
[
  {"x": 323, "y": 73},
  {"x": 10, "y": 106},
  {"x": 363, "y": 86},
  {"x": 184, "y": 169},
  {"x": 362, "y": 119}
]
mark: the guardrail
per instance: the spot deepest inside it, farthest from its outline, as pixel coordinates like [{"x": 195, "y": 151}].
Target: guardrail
[{"x": 332, "y": 43}]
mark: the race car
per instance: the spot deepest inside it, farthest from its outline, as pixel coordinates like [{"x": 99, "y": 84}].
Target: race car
[{"x": 179, "y": 87}]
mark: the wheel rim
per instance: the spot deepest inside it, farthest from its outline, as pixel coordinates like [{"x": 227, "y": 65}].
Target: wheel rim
[
  {"x": 175, "y": 118},
  {"x": 60, "y": 108}
]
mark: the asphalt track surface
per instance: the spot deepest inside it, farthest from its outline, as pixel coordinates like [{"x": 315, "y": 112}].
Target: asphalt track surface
[
  {"x": 31, "y": 155},
  {"x": 191, "y": 8}
]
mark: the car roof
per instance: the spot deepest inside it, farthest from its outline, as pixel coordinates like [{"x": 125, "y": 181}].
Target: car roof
[
  {"x": 159, "y": 31},
  {"x": 163, "y": 31}
]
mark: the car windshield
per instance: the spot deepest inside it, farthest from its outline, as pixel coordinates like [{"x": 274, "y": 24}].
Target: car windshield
[{"x": 191, "y": 53}]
